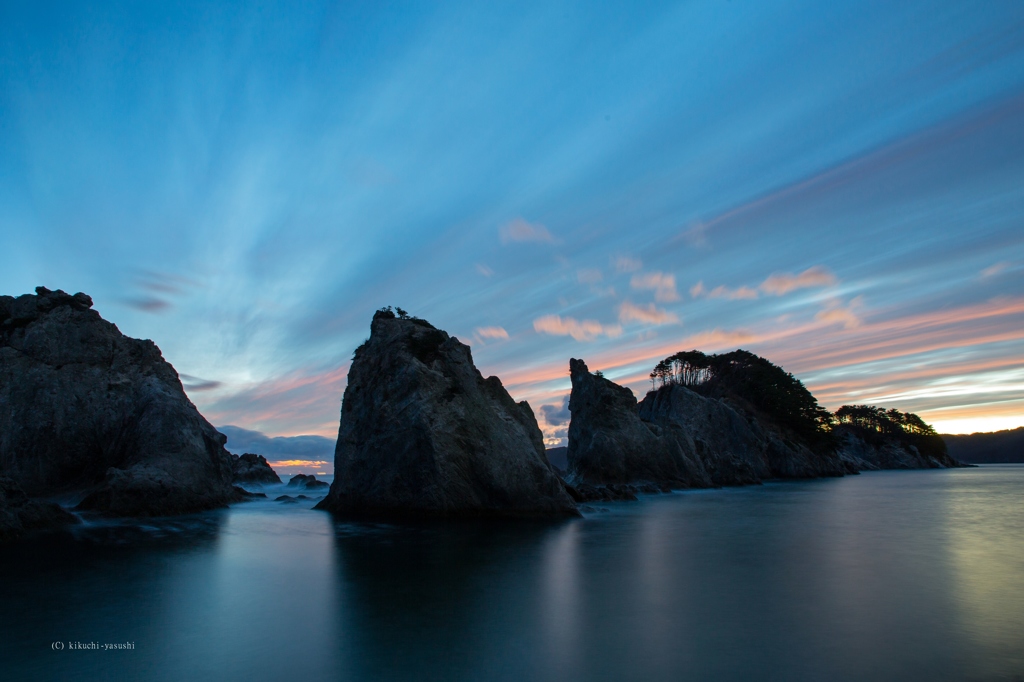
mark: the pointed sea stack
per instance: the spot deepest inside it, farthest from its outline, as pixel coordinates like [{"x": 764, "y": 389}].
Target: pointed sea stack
[
  {"x": 89, "y": 411},
  {"x": 424, "y": 435}
]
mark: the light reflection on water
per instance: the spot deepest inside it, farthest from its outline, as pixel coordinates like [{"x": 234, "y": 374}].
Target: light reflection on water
[{"x": 885, "y": 576}]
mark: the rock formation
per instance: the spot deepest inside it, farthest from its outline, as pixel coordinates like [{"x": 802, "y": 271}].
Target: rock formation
[
  {"x": 250, "y": 468},
  {"x": 867, "y": 450},
  {"x": 423, "y": 434},
  {"x": 676, "y": 438},
  {"x": 609, "y": 443},
  {"x": 306, "y": 482},
  {"x": 736, "y": 447},
  {"x": 89, "y": 410}
]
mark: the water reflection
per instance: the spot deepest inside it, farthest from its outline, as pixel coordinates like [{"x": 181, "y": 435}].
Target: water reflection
[
  {"x": 985, "y": 522},
  {"x": 885, "y": 576}
]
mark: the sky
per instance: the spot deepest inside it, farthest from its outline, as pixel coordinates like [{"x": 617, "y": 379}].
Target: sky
[{"x": 838, "y": 187}]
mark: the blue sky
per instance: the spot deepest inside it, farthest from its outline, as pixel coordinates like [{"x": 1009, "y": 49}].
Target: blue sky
[{"x": 836, "y": 186}]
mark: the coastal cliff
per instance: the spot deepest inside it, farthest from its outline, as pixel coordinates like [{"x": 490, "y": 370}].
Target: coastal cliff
[
  {"x": 93, "y": 413},
  {"x": 678, "y": 438},
  {"x": 423, "y": 434}
]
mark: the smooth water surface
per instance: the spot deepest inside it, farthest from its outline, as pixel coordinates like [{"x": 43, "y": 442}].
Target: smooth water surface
[{"x": 914, "y": 575}]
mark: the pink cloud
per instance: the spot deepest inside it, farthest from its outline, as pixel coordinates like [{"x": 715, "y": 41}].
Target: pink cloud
[
  {"x": 783, "y": 283},
  {"x": 645, "y": 314},
  {"x": 496, "y": 333},
  {"x": 581, "y": 330}
]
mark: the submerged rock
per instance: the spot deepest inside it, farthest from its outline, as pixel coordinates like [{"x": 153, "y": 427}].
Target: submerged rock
[
  {"x": 88, "y": 409},
  {"x": 676, "y": 438},
  {"x": 307, "y": 482},
  {"x": 250, "y": 468},
  {"x": 423, "y": 434}
]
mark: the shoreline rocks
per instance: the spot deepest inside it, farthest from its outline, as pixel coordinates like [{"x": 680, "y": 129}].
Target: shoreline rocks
[
  {"x": 870, "y": 451},
  {"x": 93, "y": 412},
  {"x": 424, "y": 435}
]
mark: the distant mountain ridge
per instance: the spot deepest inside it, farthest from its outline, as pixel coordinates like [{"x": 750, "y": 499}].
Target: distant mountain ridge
[
  {"x": 996, "y": 447},
  {"x": 311, "y": 448}
]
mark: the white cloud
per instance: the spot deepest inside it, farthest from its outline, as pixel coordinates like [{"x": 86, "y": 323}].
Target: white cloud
[
  {"x": 627, "y": 264},
  {"x": 663, "y": 284},
  {"x": 581, "y": 330},
  {"x": 519, "y": 230},
  {"x": 647, "y": 315}
]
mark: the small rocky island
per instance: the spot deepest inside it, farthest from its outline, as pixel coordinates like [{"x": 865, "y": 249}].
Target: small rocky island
[
  {"x": 97, "y": 416},
  {"x": 424, "y": 435},
  {"x": 252, "y": 468},
  {"x": 731, "y": 419}
]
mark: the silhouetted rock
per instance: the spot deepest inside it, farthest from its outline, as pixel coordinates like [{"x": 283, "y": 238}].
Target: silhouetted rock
[
  {"x": 736, "y": 448},
  {"x": 250, "y": 468},
  {"x": 423, "y": 434},
  {"x": 609, "y": 443},
  {"x": 676, "y": 438},
  {"x": 307, "y": 482},
  {"x": 88, "y": 409},
  {"x": 19, "y": 514},
  {"x": 285, "y": 498},
  {"x": 869, "y": 450}
]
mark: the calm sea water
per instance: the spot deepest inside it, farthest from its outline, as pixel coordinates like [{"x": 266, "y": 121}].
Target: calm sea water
[{"x": 883, "y": 576}]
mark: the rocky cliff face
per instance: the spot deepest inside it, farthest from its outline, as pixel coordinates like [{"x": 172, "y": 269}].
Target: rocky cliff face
[
  {"x": 609, "y": 442},
  {"x": 678, "y": 438},
  {"x": 736, "y": 448},
  {"x": 423, "y": 434},
  {"x": 866, "y": 451},
  {"x": 89, "y": 409}
]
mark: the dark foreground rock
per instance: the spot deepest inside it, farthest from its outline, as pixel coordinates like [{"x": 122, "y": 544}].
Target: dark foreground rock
[
  {"x": 307, "y": 482},
  {"x": 20, "y": 515},
  {"x": 423, "y": 434},
  {"x": 250, "y": 468},
  {"x": 676, "y": 438},
  {"x": 88, "y": 409}
]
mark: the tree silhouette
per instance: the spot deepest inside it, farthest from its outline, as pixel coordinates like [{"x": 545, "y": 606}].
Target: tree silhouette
[{"x": 750, "y": 379}]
